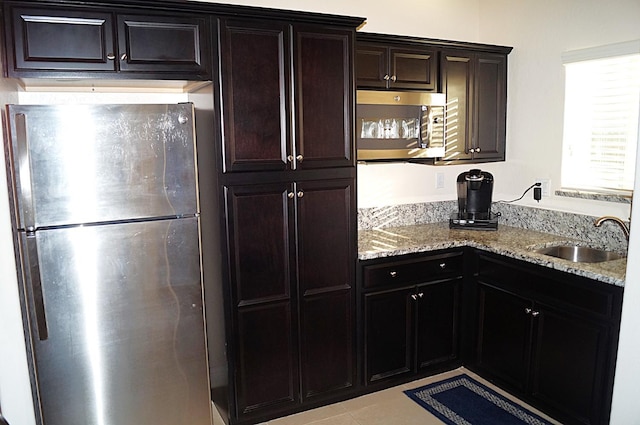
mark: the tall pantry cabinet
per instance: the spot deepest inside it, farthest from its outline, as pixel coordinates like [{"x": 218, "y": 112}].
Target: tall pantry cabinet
[{"x": 286, "y": 183}]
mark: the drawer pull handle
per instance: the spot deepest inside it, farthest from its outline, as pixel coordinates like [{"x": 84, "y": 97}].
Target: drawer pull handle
[
  {"x": 443, "y": 266},
  {"x": 393, "y": 273}
]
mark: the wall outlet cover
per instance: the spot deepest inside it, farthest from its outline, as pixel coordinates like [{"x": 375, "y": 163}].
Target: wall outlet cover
[
  {"x": 546, "y": 186},
  {"x": 439, "y": 180}
]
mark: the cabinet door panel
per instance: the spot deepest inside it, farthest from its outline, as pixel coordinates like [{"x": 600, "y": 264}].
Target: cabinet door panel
[
  {"x": 323, "y": 69},
  {"x": 413, "y": 69},
  {"x": 504, "y": 340},
  {"x": 388, "y": 334},
  {"x": 456, "y": 83},
  {"x": 326, "y": 270},
  {"x": 327, "y": 345},
  {"x": 326, "y": 235},
  {"x": 437, "y": 328},
  {"x": 569, "y": 364},
  {"x": 255, "y": 95},
  {"x": 371, "y": 66},
  {"x": 59, "y": 39},
  {"x": 164, "y": 44},
  {"x": 259, "y": 226},
  {"x": 265, "y": 366},
  {"x": 491, "y": 99}
]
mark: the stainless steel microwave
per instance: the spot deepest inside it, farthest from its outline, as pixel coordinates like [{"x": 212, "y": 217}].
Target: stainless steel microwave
[{"x": 399, "y": 126}]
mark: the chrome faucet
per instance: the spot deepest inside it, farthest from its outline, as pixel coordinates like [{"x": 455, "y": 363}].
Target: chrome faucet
[{"x": 621, "y": 223}]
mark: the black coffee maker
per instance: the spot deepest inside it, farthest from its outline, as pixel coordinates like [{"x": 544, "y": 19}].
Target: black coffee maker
[{"x": 475, "y": 188}]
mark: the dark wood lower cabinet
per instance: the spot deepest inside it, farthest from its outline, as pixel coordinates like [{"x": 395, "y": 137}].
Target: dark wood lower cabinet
[
  {"x": 410, "y": 330},
  {"x": 411, "y": 315},
  {"x": 504, "y": 335},
  {"x": 266, "y": 362},
  {"x": 548, "y": 337},
  {"x": 291, "y": 269},
  {"x": 438, "y": 323},
  {"x": 388, "y": 334},
  {"x": 569, "y": 363}
]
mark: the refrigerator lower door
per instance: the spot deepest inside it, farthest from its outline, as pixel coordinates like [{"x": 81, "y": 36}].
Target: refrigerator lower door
[{"x": 126, "y": 338}]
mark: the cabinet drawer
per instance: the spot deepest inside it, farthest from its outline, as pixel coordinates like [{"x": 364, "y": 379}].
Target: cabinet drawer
[
  {"x": 414, "y": 270},
  {"x": 552, "y": 287}
]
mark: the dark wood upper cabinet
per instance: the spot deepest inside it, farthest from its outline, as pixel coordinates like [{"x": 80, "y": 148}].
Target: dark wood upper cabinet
[
  {"x": 60, "y": 39},
  {"x": 372, "y": 64},
  {"x": 475, "y": 118},
  {"x": 59, "y": 42},
  {"x": 270, "y": 129},
  {"x": 324, "y": 97},
  {"x": 255, "y": 95},
  {"x": 396, "y": 67},
  {"x": 164, "y": 44}
]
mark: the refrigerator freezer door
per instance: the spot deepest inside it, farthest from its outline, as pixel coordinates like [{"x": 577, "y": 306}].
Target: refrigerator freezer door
[
  {"x": 77, "y": 164},
  {"x": 126, "y": 341}
]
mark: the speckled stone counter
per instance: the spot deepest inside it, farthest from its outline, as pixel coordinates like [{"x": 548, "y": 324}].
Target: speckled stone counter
[{"x": 508, "y": 241}]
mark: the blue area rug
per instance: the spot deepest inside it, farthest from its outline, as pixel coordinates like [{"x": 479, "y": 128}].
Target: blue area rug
[{"x": 462, "y": 400}]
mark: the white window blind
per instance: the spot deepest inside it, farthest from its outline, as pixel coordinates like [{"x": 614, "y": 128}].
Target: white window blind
[{"x": 602, "y": 107}]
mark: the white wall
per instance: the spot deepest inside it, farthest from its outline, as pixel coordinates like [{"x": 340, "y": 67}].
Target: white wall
[{"x": 625, "y": 406}]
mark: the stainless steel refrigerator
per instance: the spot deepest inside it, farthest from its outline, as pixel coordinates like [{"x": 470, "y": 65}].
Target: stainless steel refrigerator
[{"x": 105, "y": 203}]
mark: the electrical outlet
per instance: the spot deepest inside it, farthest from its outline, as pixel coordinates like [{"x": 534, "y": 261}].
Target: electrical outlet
[
  {"x": 546, "y": 186},
  {"x": 439, "y": 180}
]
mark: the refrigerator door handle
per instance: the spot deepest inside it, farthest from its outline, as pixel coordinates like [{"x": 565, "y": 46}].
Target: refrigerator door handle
[
  {"x": 36, "y": 286},
  {"x": 24, "y": 168}
]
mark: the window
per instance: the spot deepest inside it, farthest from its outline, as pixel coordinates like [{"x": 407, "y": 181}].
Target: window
[{"x": 602, "y": 107}]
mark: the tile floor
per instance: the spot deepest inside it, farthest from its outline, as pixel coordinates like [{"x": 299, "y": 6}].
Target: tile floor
[{"x": 386, "y": 407}]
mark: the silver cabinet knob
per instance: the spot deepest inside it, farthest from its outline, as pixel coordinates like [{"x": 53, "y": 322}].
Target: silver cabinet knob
[
  {"x": 290, "y": 158},
  {"x": 123, "y": 57},
  {"x": 299, "y": 158},
  {"x": 527, "y": 311},
  {"x": 420, "y": 294},
  {"x": 393, "y": 78},
  {"x": 443, "y": 266},
  {"x": 477, "y": 150},
  {"x": 386, "y": 77},
  {"x": 393, "y": 273},
  {"x": 182, "y": 119},
  {"x": 290, "y": 195},
  {"x": 414, "y": 296},
  {"x": 111, "y": 56},
  {"x": 535, "y": 313},
  {"x": 300, "y": 194}
]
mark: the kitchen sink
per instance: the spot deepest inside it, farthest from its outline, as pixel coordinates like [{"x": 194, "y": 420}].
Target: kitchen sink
[{"x": 579, "y": 254}]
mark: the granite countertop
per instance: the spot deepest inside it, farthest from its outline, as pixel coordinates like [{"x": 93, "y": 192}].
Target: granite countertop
[{"x": 508, "y": 241}]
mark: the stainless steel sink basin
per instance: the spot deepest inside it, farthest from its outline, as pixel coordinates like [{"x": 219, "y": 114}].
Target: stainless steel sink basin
[{"x": 579, "y": 254}]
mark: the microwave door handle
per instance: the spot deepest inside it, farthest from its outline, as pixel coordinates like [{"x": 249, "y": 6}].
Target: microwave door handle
[
  {"x": 423, "y": 134},
  {"x": 35, "y": 282}
]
